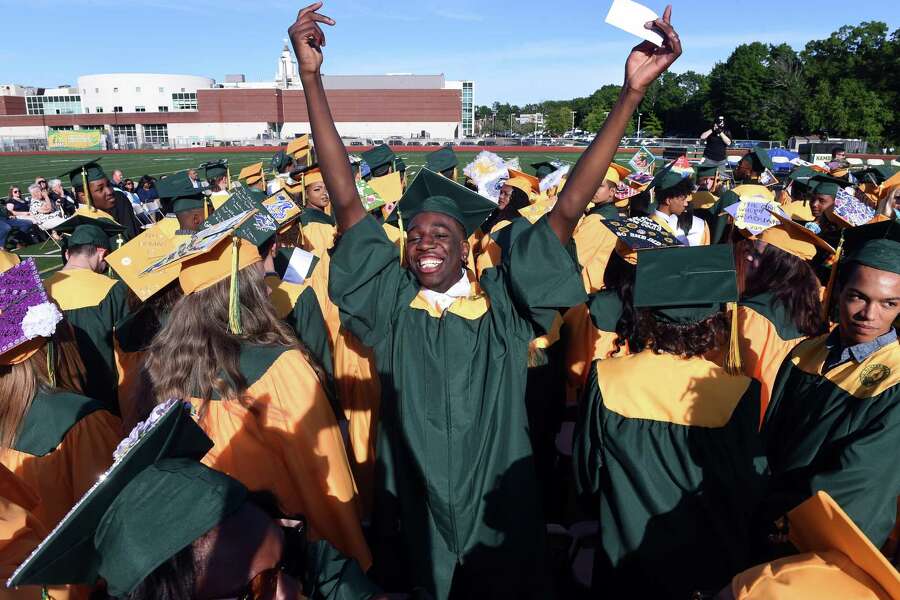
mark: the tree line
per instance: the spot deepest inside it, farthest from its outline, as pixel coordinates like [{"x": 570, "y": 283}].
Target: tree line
[{"x": 845, "y": 85}]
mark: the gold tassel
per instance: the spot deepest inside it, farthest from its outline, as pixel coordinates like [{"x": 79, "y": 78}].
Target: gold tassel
[
  {"x": 733, "y": 364},
  {"x": 87, "y": 190},
  {"x": 832, "y": 279},
  {"x": 402, "y": 235},
  {"x": 234, "y": 292},
  {"x": 228, "y": 178},
  {"x": 51, "y": 362}
]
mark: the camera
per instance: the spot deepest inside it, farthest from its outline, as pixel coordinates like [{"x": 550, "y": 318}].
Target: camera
[{"x": 719, "y": 125}]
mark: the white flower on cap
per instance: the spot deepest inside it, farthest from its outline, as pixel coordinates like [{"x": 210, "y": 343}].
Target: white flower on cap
[{"x": 41, "y": 320}]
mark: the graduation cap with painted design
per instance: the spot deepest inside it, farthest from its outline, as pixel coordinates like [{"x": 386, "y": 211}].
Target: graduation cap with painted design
[
  {"x": 430, "y": 192},
  {"x": 639, "y": 233},
  {"x": 379, "y": 156},
  {"x": 154, "y": 501},
  {"x": 132, "y": 259},
  {"x": 27, "y": 317},
  {"x": 442, "y": 160},
  {"x": 616, "y": 173}
]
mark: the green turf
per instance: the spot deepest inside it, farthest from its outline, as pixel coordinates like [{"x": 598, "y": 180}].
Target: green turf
[{"x": 22, "y": 170}]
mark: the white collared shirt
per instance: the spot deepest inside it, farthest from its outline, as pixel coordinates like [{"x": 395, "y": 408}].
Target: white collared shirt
[
  {"x": 694, "y": 238},
  {"x": 460, "y": 289}
]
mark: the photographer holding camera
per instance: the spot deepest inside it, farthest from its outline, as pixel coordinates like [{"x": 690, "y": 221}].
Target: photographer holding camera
[{"x": 718, "y": 138}]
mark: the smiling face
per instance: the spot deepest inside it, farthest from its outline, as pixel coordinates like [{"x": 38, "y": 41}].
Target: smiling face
[
  {"x": 317, "y": 195},
  {"x": 101, "y": 194},
  {"x": 504, "y": 197},
  {"x": 436, "y": 247},
  {"x": 869, "y": 304}
]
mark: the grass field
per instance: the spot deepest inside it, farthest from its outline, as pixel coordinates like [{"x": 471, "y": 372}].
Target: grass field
[{"x": 22, "y": 170}]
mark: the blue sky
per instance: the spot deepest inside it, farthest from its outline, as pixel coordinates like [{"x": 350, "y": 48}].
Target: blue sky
[{"x": 520, "y": 52}]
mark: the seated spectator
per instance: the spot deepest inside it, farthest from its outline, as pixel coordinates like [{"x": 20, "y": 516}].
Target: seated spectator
[
  {"x": 42, "y": 208},
  {"x": 17, "y": 205},
  {"x": 129, "y": 191},
  {"x": 63, "y": 199},
  {"x": 147, "y": 189},
  {"x": 8, "y": 222},
  {"x": 42, "y": 183}
]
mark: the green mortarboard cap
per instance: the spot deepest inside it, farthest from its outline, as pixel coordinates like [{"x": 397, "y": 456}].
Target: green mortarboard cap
[
  {"x": 183, "y": 205},
  {"x": 441, "y": 160},
  {"x": 93, "y": 171},
  {"x": 686, "y": 284},
  {"x": 177, "y": 186},
  {"x": 761, "y": 159},
  {"x": 295, "y": 265},
  {"x": 430, "y": 192},
  {"x": 879, "y": 173},
  {"x": 802, "y": 175},
  {"x": 153, "y": 502},
  {"x": 542, "y": 169},
  {"x": 378, "y": 156},
  {"x": 280, "y": 160},
  {"x": 215, "y": 168},
  {"x": 84, "y": 230},
  {"x": 709, "y": 171},
  {"x": 727, "y": 199},
  {"x": 825, "y": 185},
  {"x": 875, "y": 245},
  {"x": 665, "y": 179}
]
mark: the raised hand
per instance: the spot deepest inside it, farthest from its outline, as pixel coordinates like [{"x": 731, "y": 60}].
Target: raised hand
[
  {"x": 307, "y": 38},
  {"x": 648, "y": 61}
]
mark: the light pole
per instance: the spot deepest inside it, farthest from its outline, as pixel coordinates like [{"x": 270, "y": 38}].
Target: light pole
[
  {"x": 573, "y": 122},
  {"x": 638, "y": 132}
]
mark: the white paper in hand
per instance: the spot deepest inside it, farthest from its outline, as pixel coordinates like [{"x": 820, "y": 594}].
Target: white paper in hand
[{"x": 630, "y": 16}]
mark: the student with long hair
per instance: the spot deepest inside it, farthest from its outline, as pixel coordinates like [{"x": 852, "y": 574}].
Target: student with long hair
[
  {"x": 256, "y": 393},
  {"x": 781, "y": 298},
  {"x": 668, "y": 436},
  {"x": 51, "y": 436}
]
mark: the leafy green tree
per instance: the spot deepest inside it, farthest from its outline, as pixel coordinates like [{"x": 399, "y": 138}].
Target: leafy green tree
[
  {"x": 558, "y": 119},
  {"x": 593, "y": 121},
  {"x": 651, "y": 125}
]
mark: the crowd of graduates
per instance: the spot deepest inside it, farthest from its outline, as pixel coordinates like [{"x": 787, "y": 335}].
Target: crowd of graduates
[{"x": 279, "y": 391}]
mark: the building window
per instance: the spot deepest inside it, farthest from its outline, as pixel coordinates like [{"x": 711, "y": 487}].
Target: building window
[
  {"x": 163, "y": 109},
  {"x": 115, "y": 90},
  {"x": 117, "y": 109},
  {"x": 182, "y": 89},
  {"x": 138, "y": 89},
  {"x": 53, "y": 105},
  {"x": 99, "y": 109},
  {"x": 125, "y": 135},
  {"x": 162, "y": 90},
  {"x": 96, "y": 90},
  {"x": 156, "y": 134},
  {"x": 140, "y": 109},
  {"x": 87, "y": 110},
  {"x": 184, "y": 101}
]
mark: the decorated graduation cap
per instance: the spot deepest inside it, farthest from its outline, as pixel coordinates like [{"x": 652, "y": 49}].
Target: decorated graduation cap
[
  {"x": 152, "y": 244},
  {"x": 280, "y": 160},
  {"x": 27, "y": 317},
  {"x": 825, "y": 185},
  {"x": 215, "y": 168},
  {"x": 543, "y": 168},
  {"x": 639, "y": 233},
  {"x": 81, "y": 229},
  {"x": 667, "y": 178},
  {"x": 154, "y": 501},
  {"x": 616, "y": 173},
  {"x": 876, "y": 245},
  {"x": 83, "y": 174},
  {"x": 430, "y": 192},
  {"x": 760, "y": 158},
  {"x": 441, "y": 160},
  {"x": 379, "y": 156}
]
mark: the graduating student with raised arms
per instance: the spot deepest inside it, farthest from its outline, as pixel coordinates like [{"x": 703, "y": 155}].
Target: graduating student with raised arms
[{"x": 456, "y": 490}]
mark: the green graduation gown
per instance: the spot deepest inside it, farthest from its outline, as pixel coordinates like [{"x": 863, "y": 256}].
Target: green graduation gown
[
  {"x": 298, "y": 306},
  {"x": 839, "y": 432},
  {"x": 668, "y": 452},
  {"x": 456, "y": 487},
  {"x": 93, "y": 304}
]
